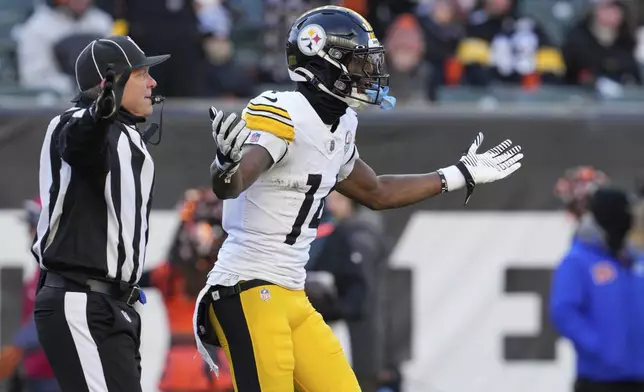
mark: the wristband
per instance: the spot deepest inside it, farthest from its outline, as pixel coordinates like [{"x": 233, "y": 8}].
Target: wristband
[
  {"x": 451, "y": 178},
  {"x": 226, "y": 172},
  {"x": 443, "y": 181}
]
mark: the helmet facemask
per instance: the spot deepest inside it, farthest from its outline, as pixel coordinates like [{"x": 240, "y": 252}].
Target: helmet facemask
[{"x": 363, "y": 76}]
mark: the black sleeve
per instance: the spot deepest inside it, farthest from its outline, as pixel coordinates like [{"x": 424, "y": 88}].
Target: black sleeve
[{"x": 83, "y": 141}]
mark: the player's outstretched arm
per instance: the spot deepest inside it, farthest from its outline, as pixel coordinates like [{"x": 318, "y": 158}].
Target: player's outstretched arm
[
  {"x": 393, "y": 191},
  {"x": 236, "y": 166},
  {"x": 387, "y": 191}
]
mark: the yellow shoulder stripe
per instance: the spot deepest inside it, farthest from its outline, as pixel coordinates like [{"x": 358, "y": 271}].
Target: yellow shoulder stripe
[
  {"x": 269, "y": 108},
  {"x": 270, "y": 125}
]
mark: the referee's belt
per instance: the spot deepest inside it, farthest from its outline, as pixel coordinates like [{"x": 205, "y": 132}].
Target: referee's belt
[{"x": 119, "y": 291}]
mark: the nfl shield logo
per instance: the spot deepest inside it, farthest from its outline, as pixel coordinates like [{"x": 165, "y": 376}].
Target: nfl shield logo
[
  {"x": 332, "y": 145},
  {"x": 254, "y": 137},
  {"x": 265, "y": 294}
]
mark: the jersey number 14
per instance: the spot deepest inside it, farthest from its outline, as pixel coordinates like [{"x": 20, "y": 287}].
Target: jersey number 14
[{"x": 314, "y": 181}]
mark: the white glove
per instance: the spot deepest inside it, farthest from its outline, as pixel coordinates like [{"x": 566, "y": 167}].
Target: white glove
[
  {"x": 492, "y": 165},
  {"x": 230, "y": 136}
]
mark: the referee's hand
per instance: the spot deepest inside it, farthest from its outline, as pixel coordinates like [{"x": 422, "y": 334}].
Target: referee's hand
[{"x": 109, "y": 100}]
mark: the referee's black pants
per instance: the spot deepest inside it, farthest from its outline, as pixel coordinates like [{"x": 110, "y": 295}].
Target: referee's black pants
[
  {"x": 91, "y": 340},
  {"x": 583, "y": 385}
]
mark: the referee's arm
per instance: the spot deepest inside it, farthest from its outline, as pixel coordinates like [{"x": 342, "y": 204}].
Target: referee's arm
[{"x": 82, "y": 141}]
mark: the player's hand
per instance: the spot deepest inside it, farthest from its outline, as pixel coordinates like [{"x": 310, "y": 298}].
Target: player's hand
[
  {"x": 479, "y": 168},
  {"x": 109, "y": 100},
  {"x": 230, "y": 135}
]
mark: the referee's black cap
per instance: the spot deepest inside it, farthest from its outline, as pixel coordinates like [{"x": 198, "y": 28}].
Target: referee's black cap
[{"x": 120, "y": 51}]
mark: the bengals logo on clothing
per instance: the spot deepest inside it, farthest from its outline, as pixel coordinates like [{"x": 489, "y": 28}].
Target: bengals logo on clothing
[{"x": 603, "y": 273}]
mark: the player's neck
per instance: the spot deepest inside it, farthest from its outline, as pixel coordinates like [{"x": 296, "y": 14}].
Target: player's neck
[{"x": 328, "y": 108}]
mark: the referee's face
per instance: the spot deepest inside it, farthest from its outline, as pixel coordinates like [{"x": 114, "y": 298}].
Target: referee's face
[{"x": 138, "y": 90}]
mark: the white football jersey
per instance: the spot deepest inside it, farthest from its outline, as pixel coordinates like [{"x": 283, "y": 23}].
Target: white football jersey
[{"x": 272, "y": 224}]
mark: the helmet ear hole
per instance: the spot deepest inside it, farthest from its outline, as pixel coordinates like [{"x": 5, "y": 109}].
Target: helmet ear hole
[{"x": 326, "y": 72}]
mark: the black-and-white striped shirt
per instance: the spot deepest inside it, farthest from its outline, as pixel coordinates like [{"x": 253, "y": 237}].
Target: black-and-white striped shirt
[{"x": 96, "y": 185}]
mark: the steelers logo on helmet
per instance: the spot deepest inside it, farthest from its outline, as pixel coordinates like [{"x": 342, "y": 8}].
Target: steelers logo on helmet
[{"x": 311, "y": 39}]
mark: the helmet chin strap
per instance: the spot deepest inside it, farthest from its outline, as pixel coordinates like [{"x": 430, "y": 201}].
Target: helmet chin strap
[{"x": 304, "y": 75}]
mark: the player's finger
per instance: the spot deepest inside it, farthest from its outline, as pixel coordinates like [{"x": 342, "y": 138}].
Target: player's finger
[
  {"x": 227, "y": 125},
  {"x": 512, "y": 161},
  {"x": 508, "y": 154},
  {"x": 239, "y": 134},
  {"x": 501, "y": 147},
  {"x": 238, "y": 129},
  {"x": 213, "y": 113},
  {"x": 216, "y": 125},
  {"x": 511, "y": 169},
  {"x": 478, "y": 140}
]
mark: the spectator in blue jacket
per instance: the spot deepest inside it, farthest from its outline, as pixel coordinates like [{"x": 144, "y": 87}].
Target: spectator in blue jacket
[{"x": 597, "y": 299}]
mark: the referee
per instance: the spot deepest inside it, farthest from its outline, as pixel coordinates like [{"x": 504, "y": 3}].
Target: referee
[{"x": 96, "y": 184}]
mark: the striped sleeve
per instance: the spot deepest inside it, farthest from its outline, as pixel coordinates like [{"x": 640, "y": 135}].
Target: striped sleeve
[{"x": 269, "y": 118}]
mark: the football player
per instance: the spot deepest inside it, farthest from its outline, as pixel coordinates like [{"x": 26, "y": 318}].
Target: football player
[{"x": 273, "y": 168}]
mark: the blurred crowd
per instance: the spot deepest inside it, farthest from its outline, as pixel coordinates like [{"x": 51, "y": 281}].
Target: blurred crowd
[
  {"x": 234, "y": 48},
  {"x": 521, "y": 43}
]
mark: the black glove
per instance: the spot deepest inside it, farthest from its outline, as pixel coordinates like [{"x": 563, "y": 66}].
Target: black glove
[{"x": 109, "y": 100}]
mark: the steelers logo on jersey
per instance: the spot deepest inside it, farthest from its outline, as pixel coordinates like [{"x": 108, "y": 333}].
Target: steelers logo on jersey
[{"x": 311, "y": 39}]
